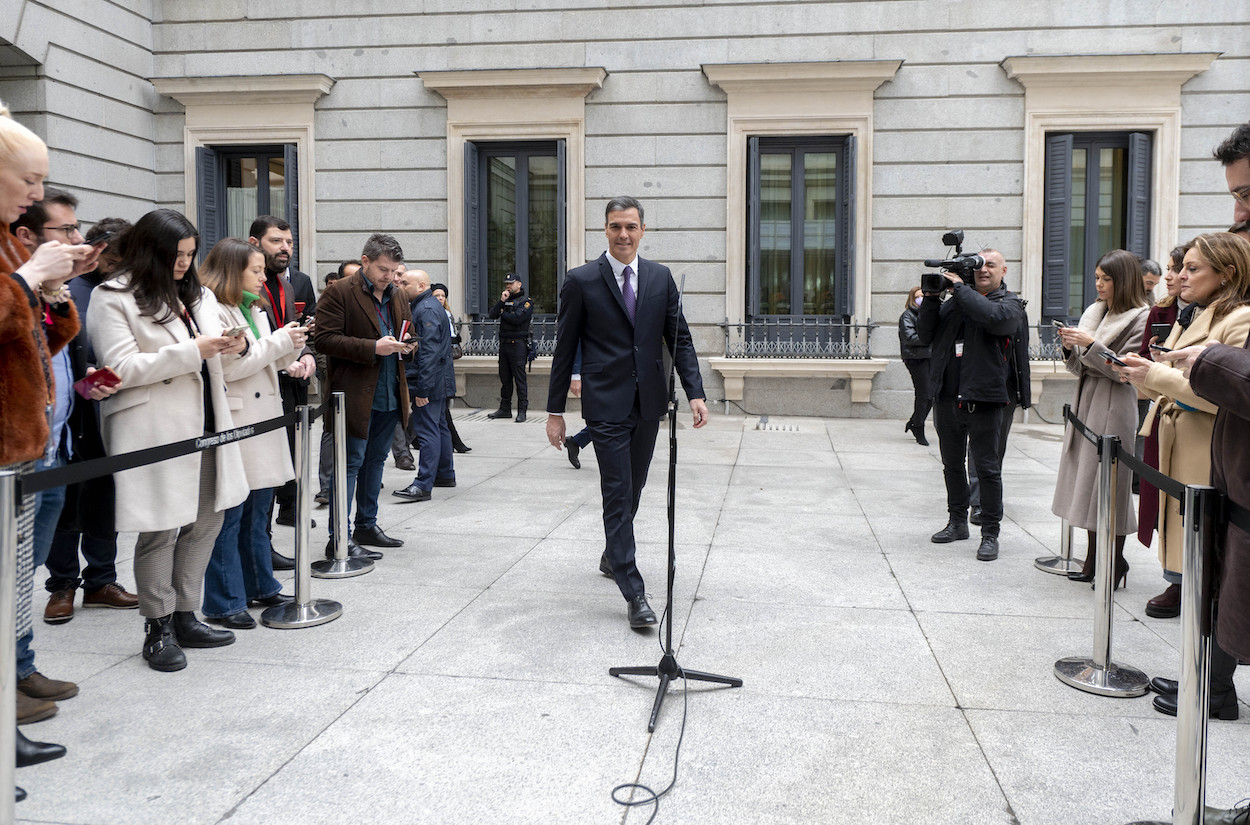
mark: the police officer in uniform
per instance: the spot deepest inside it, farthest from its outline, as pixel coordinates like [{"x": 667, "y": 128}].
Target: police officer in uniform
[{"x": 514, "y": 312}]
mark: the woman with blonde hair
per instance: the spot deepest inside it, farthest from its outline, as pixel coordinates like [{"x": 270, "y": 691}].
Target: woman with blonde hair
[
  {"x": 915, "y": 357},
  {"x": 240, "y": 571},
  {"x": 1113, "y": 323}
]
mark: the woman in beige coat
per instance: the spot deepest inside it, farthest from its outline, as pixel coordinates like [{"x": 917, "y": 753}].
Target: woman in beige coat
[
  {"x": 1215, "y": 279},
  {"x": 240, "y": 571},
  {"x": 159, "y": 330},
  {"x": 1114, "y": 322}
]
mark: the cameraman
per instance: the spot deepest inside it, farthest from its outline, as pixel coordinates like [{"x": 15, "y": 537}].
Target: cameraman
[{"x": 969, "y": 334}]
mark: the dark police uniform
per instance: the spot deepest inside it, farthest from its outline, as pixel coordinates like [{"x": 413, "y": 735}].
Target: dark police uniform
[{"x": 514, "y": 317}]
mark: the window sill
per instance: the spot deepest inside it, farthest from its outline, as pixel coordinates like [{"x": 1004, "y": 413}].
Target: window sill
[{"x": 859, "y": 371}]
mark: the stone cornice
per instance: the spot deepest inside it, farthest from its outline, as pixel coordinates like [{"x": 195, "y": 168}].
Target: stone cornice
[
  {"x": 574, "y": 82},
  {"x": 1039, "y": 71},
  {"x": 828, "y": 76},
  {"x": 244, "y": 89}
]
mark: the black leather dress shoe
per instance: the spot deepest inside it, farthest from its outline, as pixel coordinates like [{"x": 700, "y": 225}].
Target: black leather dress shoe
[
  {"x": 953, "y": 531},
  {"x": 286, "y": 516},
  {"x": 354, "y": 551},
  {"x": 404, "y": 462},
  {"x": 640, "y": 613},
  {"x": 988, "y": 551},
  {"x": 1222, "y": 706},
  {"x": 1166, "y": 687},
  {"x": 444, "y": 482},
  {"x": 572, "y": 449},
  {"x": 461, "y": 447},
  {"x": 502, "y": 412},
  {"x": 271, "y": 601},
  {"x": 374, "y": 537},
  {"x": 18, "y": 794},
  {"x": 236, "y": 621},
  {"x": 191, "y": 632},
  {"x": 605, "y": 567},
  {"x": 33, "y": 753},
  {"x": 975, "y": 516},
  {"x": 412, "y": 493},
  {"x": 281, "y": 562}
]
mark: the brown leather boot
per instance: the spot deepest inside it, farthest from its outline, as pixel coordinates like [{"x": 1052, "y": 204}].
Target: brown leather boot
[
  {"x": 30, "y": 709},
  {"x": 1167, "y": 605}
]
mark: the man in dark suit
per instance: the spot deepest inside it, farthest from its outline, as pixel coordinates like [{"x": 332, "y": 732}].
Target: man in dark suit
[
  {"x": 624, "y": 312},
  {"x": 359, "y": 322},
  {"x": 285, "y": 287}
]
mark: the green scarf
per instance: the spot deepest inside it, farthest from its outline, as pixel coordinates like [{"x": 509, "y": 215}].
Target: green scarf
[{"x": 246, "y": 307}]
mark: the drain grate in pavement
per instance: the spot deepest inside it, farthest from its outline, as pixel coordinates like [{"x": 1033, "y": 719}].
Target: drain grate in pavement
[
  {"x": 480, "y": 415},
  {"x": 775, "y": 427}
]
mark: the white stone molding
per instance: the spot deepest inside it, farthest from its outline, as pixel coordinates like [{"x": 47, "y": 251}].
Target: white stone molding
[{"x": 860, "y": 372}]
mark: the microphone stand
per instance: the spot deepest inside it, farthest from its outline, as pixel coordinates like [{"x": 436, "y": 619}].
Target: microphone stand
[{"x": 668, "y": 669}]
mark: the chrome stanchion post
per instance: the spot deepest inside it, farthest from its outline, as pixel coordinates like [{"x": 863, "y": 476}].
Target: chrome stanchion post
[
  {"x": 1062, "y": 564},
  {"x": 1194, "y": 692},
  {"x": 8, "y": 641},
  {"x": 1098, "y": 674},
  {"x": 305, "y": 611},
  {"x": 340, "y": 567}
]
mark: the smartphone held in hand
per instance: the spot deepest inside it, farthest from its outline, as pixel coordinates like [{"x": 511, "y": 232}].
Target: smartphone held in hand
[{"x": 103, "y": 377}]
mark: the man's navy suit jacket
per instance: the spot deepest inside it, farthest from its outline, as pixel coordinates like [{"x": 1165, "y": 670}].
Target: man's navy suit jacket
[{"x": 619, "y": 358}]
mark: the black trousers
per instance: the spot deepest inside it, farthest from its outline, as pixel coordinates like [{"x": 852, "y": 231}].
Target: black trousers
[
  {"x": 623, "y": 451},
  {"x": 919, "y": 370},
  {"x": 100, "y": 553},
  {"x": 1004, "y": 430},
  {"x": 965, "y": 428},
  {"x": 294, "y": 394},
  {"x": 512, "y": 352}
]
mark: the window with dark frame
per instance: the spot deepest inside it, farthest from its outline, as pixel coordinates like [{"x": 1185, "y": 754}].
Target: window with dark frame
[
  {"x": 235, "y": 184},
  {"x": 514, "y": 221},
  {"x": 1098, "y": 198},
  {"x": 800, "y": 230}
]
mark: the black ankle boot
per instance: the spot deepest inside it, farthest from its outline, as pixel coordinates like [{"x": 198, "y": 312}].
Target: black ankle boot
[
  {"x": 32, "y": 753},
  {"x": 159, "y": 648},
  {"x": 520, "y": 415},
  {"x": 191, "y": 632},
  {"x": 988, "y": 551},
  {"x": 953, "y": 531},
  {"x": 504, "y": 411}
]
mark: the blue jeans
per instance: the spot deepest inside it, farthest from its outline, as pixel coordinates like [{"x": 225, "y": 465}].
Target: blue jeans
[
  {"x": 366, "y": 458},
  {"x": 48, "y": 506},
  {"x": 434, "y": 437},
  {"x": 241, "y": 566}
]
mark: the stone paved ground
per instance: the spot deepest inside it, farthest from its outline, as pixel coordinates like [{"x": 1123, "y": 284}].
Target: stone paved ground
[{"x": 887, "y": 679}]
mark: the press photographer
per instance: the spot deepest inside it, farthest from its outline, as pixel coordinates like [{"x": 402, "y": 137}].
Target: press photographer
[{"x": 967, "y": 319}]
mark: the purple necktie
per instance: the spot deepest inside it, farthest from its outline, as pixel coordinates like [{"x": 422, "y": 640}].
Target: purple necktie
[{"x": 627, "y": 292}]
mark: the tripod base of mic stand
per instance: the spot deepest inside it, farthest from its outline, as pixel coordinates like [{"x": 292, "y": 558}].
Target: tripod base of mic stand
[{"x": 668, "y": 670}]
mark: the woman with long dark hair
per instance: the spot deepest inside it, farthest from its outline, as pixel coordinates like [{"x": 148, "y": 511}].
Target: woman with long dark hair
[
  {"x": 160, "y": 331},
  {"x": 240, "y": 571},
  {"x": 1114, "y": 322},
  {"x": 915, "y": 357}
]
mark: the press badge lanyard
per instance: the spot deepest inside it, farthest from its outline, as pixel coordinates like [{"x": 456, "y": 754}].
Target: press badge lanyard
[{"x": 279, "y": 309}]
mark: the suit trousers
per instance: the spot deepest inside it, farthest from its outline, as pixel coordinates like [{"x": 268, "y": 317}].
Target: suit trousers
[
  {"x": 1004, "y": 430},
  {"x": 170, "y": 564},
  {"x": 434, "y": 443},
  {"x": 512, "y": 352},
  {"x": 963, "y": 429},
  {"x": 623, "y": 451},
  {"x": 99, "y": 553}
]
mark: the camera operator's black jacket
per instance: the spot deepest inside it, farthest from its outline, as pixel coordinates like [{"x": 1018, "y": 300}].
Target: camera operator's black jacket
[{"x": 989, "y": 323}]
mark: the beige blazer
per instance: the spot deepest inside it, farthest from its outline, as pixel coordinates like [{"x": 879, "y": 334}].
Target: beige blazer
[
  {"x": 252, "y": 390},
  {"x": 161, "y": 401}
]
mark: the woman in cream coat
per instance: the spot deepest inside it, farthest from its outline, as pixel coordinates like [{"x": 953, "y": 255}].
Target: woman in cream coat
[
  {"x": 241, "y": 568},
  {"x": 1114, "y": 322},
  {"x": 159, "y": 330},
  {"x": 1215, "y": 279}
]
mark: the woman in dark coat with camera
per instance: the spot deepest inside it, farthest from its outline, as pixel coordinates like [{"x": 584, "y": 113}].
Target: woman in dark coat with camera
[{"x": 916, "y": 358}]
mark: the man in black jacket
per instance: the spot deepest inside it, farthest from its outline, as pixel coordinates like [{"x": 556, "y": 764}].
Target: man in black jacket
[
  {"x": 514, "y": 312},
  {"x": 970, "y": 335}
]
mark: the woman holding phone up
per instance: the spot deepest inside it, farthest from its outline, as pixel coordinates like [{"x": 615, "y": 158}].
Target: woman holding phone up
[
  {"x": 1113, "y": 323},
  {"x": 161, "y": 331},
  {"x": 240, "y": 571}
]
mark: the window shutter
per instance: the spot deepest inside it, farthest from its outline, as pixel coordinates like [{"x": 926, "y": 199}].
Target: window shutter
[
  {"x": 753, "y": 227},
  {"x": 473, "y": 275},
  {"x": 845, "y": 275},
  {"x": 209, "y": 214},
  {"x": 562, "y": 246},
  {"x": 290, "y": 157},
  {"x": 1056, "y": 222},
  {"x": 1137, "y": 232}
]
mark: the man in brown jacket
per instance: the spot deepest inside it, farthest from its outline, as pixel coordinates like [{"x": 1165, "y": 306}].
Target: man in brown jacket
[{"x": 360, "y": 319}]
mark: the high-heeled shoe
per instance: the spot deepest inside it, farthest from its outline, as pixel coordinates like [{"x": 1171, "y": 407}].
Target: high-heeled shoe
[
  {"x": 918, "y": 432},
  {"x": 1121, "y": 576},
  {"x": 462, "y": 448},
  {"x": 1086, "y": 573}
]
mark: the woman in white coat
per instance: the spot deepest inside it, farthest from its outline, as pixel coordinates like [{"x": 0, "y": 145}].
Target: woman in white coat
[
  {"x": 159, "y": 330},
  {"x": 240, "y": 571}
]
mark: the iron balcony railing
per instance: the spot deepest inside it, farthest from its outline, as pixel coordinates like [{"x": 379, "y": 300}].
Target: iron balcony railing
[
  {"x": 1044, "y": 343},
  {"x": 481, "y": 336},
  {"x": 798, "y": 336}
]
